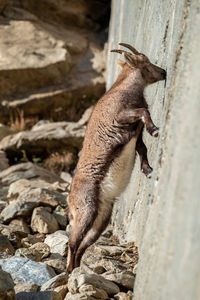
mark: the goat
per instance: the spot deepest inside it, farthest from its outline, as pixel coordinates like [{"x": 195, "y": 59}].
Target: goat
[{"x": 113, "y": 134}]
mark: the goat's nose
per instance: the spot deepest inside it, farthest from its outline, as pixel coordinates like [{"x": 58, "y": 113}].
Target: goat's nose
[{"x": 164, "y": 74}]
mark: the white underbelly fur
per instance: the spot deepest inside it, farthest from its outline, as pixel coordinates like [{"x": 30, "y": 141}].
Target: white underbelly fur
[{"x": 119, "y": 173}]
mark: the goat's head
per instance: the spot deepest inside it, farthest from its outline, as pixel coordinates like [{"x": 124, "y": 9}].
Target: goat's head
[{"x": 151, "y": 73}]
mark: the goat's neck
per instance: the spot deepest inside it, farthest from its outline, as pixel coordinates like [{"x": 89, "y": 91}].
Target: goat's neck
[{"x": 132, "y": 82}]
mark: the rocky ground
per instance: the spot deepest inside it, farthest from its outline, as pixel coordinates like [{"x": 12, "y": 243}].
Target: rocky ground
[{"x": 52, "y": 67}]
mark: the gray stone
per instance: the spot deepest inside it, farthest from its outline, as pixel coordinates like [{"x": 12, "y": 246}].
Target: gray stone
[
  {"x": 24, "y": 270},
  {"x": 42, "y": 221},
  {"x": 61, "y": 216},
  {"x": 124, "y": 296},
  {"x": 47, "y": 137},
  {"x": 77, "y": 279},
  {"x": 54, "y": 282},
  {"x": 21, "y": 207},
  {"x": 14, "y": 233},
  {"x": 7, "y": 291},
  {"x": 58, "y": 242},
  {"x": 124, "y": 278},
  {"x": 71, "y": 296},
  {"x": 20, "y": 223},
  {"x": 42, "y": 250},
  {"x": 47, "y": 295},
  {"x": 28, "y": 171},
  {"x": 58, "y": 264},
  {"x": 90, "y": 290},
  {"x": 20, "y": 185}
]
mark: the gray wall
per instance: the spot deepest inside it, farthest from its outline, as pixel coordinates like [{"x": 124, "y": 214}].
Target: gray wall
[{"x": 162, "y": 215}]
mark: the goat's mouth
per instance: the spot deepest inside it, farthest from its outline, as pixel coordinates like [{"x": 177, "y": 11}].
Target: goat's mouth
[{"x": 163, "y": 74}]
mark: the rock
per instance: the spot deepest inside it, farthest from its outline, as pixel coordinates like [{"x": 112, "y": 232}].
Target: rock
[
  {"x": 58, "y": 264},
  {"x": 66, "y": 177},
  {"x": 5, "y": 245},
  {"x": 71, "y": 296},
  {"x": 48, "y": 295},
  {"x": 99, "y": 270},
  {"x": 124, "y": 296},
  {"x": 3, "y": 161},
  {"x": 26, "y": 253},
  {"x": 108, "y": 263},
  {"x": 20, "y": 223},
  {"x": 28, "y": 171},
  {"x": 36, "y": 48},
  {"x": 90, "y": 290},
  {"x": 58, "y": 242},
  {"x": 14, "y": 233},
  {"x": 20, "y": 185},
  {"x": 26, "y": 287},
  {"x": 24, "y": 270},
  {"x": 33, "y": 239},
  {"x": 40, "y": 249},
  {"x": 36, "y": 252},
  {"x": 45, "y": 139},
  {"x": 61, "y": 216},
  {"x": 54, "y": 282},
  {"x": 77, "y": 279},
  {"x": 61, "y": 290},
  {"x": 42, "y": 221},
  {"x": 124, "y": 278},
  {"x": 20, "y": 207},
  {"x": 7, "y": 291}
]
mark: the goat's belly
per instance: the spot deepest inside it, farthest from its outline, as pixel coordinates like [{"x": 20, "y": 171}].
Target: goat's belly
[{"x": 118, "y": 175}]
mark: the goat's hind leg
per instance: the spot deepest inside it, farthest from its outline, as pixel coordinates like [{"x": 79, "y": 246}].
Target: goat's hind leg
[
  {"x": 142, "y": 151},
  {"x": 93, "y": 234},
  {"x": 81, "y": 225}
]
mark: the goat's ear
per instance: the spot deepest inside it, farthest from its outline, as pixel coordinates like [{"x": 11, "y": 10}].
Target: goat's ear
[
  {"x": 121, "y": 63},
  {"x": 132, "y": 60}
]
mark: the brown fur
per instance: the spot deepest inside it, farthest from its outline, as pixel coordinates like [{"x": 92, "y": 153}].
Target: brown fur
[{"x": 116, "y": 122}]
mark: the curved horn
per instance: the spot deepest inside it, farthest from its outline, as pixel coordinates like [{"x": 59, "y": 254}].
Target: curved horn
[
  {"x": 130, "y": 48},
  {"x": 120, "y": 51}
]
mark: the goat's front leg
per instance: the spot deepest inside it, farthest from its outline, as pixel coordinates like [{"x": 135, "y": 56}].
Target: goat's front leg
[
  {"x": 142, "y": 151},
  {"x": 132, "y": 116}
]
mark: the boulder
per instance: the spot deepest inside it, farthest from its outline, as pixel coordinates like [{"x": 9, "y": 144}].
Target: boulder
[
  {"x": 61, "y": 216},
  {"x": 58, "y": 242},
  {"x": 78, "y": 278},
  {"x": 125, "y": 278},
  {"x": 20, "y": 207},
  {"x": 42, "y": 221},
  {"x": 7, "y": 291},
  {"x": 45, "y": 139},
  {"x": 24, "y": 270},
  {"x": 24, "y": 184},
  {"x": 54, "y": 282},
  {"x": 27, "y": 171}
]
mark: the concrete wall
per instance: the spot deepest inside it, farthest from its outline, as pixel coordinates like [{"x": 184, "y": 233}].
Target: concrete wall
[{"x": 162, "y": 215}]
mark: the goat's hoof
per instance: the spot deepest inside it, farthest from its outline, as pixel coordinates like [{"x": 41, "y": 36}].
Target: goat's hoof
[
  {"x": 155, "y": 132},
  {"x": 147, "y": 170}
]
